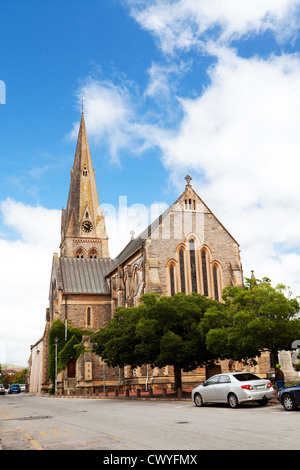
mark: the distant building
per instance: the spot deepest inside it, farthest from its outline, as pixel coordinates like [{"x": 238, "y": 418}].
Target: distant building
[
  {"x": 8, "y": 371},
  {"x": 36, "y": 366}
]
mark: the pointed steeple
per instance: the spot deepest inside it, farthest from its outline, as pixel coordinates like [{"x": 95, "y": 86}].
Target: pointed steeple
[{"x": 83, "y": 226}]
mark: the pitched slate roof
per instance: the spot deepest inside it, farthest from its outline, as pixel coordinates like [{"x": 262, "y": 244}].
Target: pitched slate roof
[{"x": 84, "y": 275}]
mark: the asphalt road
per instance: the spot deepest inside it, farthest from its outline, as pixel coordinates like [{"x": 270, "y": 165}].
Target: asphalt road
[{"x": 29, "y": 422}]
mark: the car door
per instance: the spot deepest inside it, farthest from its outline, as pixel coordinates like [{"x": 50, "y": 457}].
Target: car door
[
  {"x": 208, "y": 391},
  {"x": 222, "y": 388},
  {"x": 297, "y": 395}
]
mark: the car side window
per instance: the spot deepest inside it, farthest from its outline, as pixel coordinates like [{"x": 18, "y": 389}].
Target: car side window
[
  {"x": 212, "y": 380},
  {"x": 224, "y": 379}
]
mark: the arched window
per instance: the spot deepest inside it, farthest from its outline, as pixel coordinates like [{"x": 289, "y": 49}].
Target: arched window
[
  {"x": 193, "y": 265},
  {"x": 84, "y": 172},
  {"x": 204, "y": 273},
  {"x": 89, "y": 316},
  {"x": 190, "y": 204},
  {"x": 79, "y": 253},
  {"x": 181, "y": 267},
  {"x": 172, "y": 284},
  {"x": 135, "y": 279},
  {"x": 215, "y": 277},
  {"x": 93, "y": 254}
]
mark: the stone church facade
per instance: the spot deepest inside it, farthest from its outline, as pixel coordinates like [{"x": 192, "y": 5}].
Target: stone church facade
[{"x": 186, "y": 249}]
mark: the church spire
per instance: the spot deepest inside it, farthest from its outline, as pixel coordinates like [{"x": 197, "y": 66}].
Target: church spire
[{"x": 83, "y": 225}]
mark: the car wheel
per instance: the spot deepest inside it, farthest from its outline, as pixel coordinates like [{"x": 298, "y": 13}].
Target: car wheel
[
  {"x": 288, "y": 403},
  {"x": 198, "y": 400},
  {"x": 233, "y": 401}
]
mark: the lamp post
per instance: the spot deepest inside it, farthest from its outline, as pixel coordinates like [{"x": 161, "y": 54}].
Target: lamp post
[
  {"x": 38, "y": 371},
  {"x": 56, "y": 340},
  {"x": 104, "y": 376}
]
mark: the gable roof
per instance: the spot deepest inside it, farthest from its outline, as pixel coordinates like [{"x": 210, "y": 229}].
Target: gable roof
[
  {"x": 137, "y": 242},
  {"x": 84, "y": 275}
]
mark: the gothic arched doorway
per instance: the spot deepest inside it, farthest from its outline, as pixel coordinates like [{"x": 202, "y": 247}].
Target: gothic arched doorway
[{"x": 71, "y": 367}]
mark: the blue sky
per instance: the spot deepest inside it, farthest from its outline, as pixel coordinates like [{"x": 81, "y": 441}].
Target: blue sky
[
  {"x": 48, "y": 50},
  {"x": 171, "y": 87}
]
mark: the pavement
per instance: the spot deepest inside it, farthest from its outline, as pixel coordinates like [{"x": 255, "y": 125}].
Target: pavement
[
  {"x": 150, "y": 395},
  {"x": 183, "y": 395}
]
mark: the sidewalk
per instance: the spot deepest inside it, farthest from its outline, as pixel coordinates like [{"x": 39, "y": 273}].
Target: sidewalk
[
  {"x": 184, "y": 394},
  {"x": 170, "y": 395}
]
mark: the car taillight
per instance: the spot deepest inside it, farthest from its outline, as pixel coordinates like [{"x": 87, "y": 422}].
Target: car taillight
[
  {"x": 247, "y": 387},
  {"x": 269, "y": 385}
]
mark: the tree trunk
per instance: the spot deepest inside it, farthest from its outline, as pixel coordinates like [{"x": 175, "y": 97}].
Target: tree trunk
[
  {"x": 177, "y": 377},
  {"x": 273, "y": 358}
]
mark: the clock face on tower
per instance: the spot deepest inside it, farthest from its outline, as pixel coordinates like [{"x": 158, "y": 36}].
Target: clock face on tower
[{"x": 87, "y": 227}]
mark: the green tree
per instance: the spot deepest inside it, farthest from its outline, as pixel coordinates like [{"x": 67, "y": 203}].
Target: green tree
[
  {"x": 161, "y": 331},
  {"x": 7, "y": 379},
  {"x": 256, "y": 317},
  {"x": 20, "y": 377},
  {"x": 66, "y": 347}
]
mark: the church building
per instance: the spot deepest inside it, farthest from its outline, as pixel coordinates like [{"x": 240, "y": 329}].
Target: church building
[{"x": 186, "y": 249}]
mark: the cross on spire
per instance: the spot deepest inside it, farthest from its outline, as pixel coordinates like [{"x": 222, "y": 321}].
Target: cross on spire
[
  {"x": 188, "y": 179},
  {"x": 82, "y": 99}
]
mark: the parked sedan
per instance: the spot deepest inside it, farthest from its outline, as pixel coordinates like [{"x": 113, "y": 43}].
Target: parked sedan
[
  {"x": 2, "y": 390},
  {"x": 290, "y": 397},
  {"x": 233, "y": 388}
]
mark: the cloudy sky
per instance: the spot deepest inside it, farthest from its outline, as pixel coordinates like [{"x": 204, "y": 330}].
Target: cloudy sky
[{"x": 209, "y": 88}]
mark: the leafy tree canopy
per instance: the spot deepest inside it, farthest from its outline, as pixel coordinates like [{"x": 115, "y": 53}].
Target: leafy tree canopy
[
  {"x": 160, "y": 331},
  {"x": 255, "y": 317}
]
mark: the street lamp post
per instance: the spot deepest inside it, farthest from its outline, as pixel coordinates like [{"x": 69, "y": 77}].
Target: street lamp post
[
  {"x": 104, "y": 376},
  {"x": 38, "y": 371},
  {"x": 56, "y": 340}
]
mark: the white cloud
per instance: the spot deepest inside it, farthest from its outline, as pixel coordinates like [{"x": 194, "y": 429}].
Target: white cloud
[
  {"x": 107, "y": 113},
  {"x": 240, "y": 140},
  {"x": 182, "y": 24},
  {"x": 36, "y": 226},
  {"x": 161, "y": 83},
  {"x": 24, "y": 277},
  {"x": 111, "y": 117}
]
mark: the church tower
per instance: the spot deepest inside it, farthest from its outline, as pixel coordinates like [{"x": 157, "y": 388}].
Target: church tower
[{"x": 83, "y": 232}]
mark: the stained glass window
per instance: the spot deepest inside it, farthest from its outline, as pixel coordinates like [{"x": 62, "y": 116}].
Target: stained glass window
[
  {"x": 181, "y": 265},
  {"x": 172, "y": 280},
  {"x": 204, "y": 272},
  {"x": 216, "y": 289},
  {"x": 88, "y": 316},
  {"x": 193, "y": 266}
]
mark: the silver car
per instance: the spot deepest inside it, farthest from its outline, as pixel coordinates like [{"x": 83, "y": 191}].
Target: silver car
[{"x": 233, "y": 388}]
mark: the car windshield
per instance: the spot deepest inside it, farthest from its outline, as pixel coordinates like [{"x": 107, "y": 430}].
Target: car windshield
[{"x": 246, "y": 376}]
